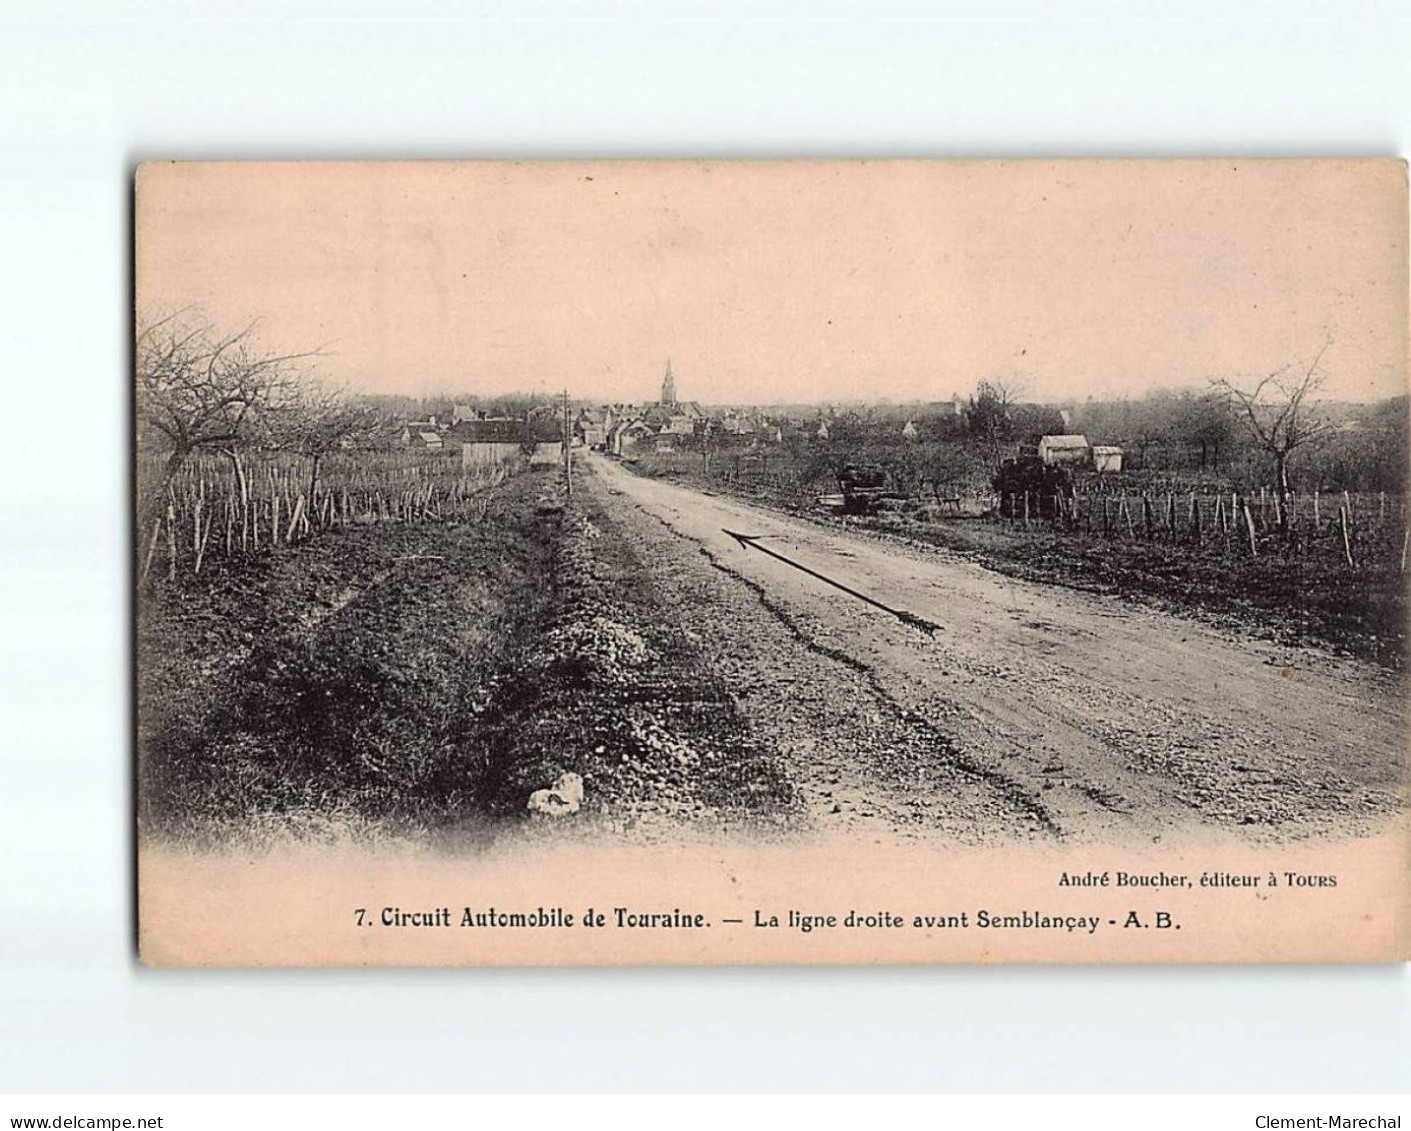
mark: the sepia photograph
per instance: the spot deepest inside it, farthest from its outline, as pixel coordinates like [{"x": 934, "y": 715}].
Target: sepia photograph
[
  {"x": 634, "y": 565},
  {"x": 770, "y": 561}
]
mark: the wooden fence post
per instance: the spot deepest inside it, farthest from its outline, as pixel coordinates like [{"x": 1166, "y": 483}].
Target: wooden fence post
[
  {"x": 171, "y": 541},
  {"x": 203, "y": 536},
  {"x": 1249, "y": 523},
  {"x": 157, "y": 534}
]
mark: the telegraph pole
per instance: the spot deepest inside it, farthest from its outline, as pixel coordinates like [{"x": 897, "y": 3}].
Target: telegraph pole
[{"x": 567, "y": 449}]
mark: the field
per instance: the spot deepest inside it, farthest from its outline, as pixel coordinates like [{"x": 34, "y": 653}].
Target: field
[
  {"x": 425, "y": 668},
  {"x": 421, "y": 669},
  {"x": 217, "y": 509},
  {"x": 1329, "y": 572}
]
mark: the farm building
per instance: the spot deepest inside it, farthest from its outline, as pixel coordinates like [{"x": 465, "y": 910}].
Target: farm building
[
  {"x": 422, "y": 435},
  {"x": 1107, "y": 458},
  {"x": 498, "y": 441},
  {"x": 1063, "y": 449},
  {"x": 626, "y": 436},
  {"x": 489, "y": 441},
  {"x": 592, "y": 425}
]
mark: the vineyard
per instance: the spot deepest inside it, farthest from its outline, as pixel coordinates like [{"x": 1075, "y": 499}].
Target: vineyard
[
  {"x": 1369, "y": 527},
  {"x": 1326, "y": 568},
  {"x": 217, "y": 508}
]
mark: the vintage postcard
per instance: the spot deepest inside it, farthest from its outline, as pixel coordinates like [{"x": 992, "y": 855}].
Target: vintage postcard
[{"x": 724, "y": 562}]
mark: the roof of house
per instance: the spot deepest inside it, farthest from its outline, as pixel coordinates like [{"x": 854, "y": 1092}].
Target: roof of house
[
  {"x": 429, "y": 437},
  {"x": 1106, "y": 450},
  {"x": 490, "y": 431},
  {"x": 1069, "y": 441},
  {"x": 508, "y": 431}
]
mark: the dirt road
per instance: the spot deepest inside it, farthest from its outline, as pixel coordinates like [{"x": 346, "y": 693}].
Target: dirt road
[{"x": 1030, "y": 710}]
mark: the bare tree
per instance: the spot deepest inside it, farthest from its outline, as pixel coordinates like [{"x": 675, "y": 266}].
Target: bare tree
[
  {"x": 315, "y": 419},
  {"x": 201, "y": 390},
  {"x": 1277, "y": 416},
  {"x": 990, "y": 414}
]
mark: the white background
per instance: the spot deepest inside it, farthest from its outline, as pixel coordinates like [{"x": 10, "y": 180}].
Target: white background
[{"x": 87, "y": 90}]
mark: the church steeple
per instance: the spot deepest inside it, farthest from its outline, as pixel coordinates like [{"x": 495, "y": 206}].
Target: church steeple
[{"x": 668, "y": 388}]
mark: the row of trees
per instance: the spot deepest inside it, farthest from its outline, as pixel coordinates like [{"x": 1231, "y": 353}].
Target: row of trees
[
  {"x": 202, "y": 391},
  {"x": 1261, "y": 429},
  {"x": 1264, "y": 432}
]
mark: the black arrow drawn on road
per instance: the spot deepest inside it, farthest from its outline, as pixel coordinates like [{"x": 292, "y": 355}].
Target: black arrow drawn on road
[{"x": 752, "y": 541}]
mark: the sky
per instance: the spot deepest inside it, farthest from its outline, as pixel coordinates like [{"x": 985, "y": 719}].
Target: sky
[{"x": 796, "y": 281}]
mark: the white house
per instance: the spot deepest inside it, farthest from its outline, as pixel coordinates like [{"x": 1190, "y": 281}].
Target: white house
[{"x": 1063, "y": 449}]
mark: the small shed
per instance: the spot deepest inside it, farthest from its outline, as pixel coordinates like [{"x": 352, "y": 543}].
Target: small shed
[
  {"x": 489, "y": 441},
  {"x": 1063, "y": 449},
  {"x": 422, "y": 436},
  {"x": 500, "y": 441},
  {"x": 1107, "y": 458}
]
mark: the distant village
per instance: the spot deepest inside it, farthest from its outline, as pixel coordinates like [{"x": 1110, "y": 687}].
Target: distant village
[{"x": 670, "y": 423}]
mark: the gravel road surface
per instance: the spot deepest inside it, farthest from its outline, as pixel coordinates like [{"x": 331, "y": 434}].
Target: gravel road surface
[{"x": 1027, "y": 711}]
